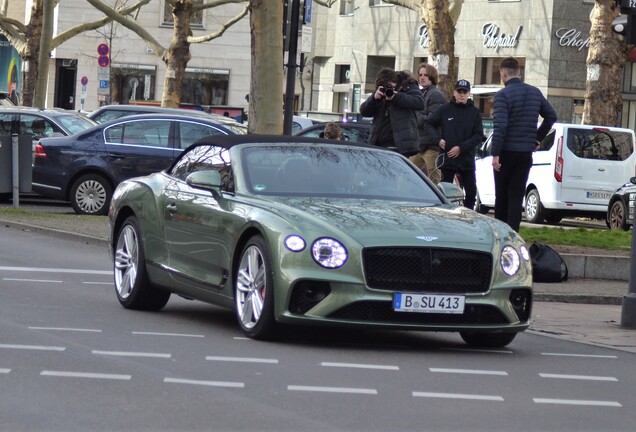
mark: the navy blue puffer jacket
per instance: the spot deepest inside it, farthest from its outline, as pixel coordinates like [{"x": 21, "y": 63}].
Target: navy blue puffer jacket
[{"x": 517, "y": 108}]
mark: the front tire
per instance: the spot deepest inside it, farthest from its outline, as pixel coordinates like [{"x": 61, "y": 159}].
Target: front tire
[
  {"x": 254, "y": 291},
  {"x": 134, "y": 289},
  {"x": 533, "y": 208},
  {"x": 91, "y": 194},
  {"x": 488, "y": 340},
  {"x": 617, "y": 217}
]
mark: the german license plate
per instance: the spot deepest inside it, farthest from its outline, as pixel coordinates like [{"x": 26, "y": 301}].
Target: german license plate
[
  {"x": 598, "y": 194},
  {"x": 428, "y": 303}
]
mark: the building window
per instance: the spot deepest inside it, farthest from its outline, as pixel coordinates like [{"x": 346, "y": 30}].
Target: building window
[
  {"x": 131, "y": 82},
  {"x": 487, "y": 70},
  {"x": 342, "y": 75},
  {"x": 202, "y": 86},
  {"x": 196, "y": 20},
  {"x": 374, "y": 64},
  {"x": 346, "y": 7}
]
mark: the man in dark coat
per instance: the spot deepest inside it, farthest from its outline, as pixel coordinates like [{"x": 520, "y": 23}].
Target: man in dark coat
[
  {"x": 393, "y": 105},
  {"x": 517, "y": 108},
  {"x": 461, "y": 133},
  {"x": 427, "y": 158}
]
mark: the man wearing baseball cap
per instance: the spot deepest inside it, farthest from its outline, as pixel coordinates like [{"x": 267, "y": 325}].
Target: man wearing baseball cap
[{"x": 461, "y": 132}]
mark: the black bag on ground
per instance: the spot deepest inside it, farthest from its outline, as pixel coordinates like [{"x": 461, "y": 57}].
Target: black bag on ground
[{"x": 547, "y": 264}]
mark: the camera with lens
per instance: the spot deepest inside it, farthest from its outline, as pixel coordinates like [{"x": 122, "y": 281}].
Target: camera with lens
[{"x": 389, "y": 91}]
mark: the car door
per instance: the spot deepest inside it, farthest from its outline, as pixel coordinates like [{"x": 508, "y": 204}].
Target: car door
[
  {"x": 596, "y": 161},
  {"x": 197, "y": 224},
  {"x": 138, "y": 147},
  {"x": 484, "y": 174}
]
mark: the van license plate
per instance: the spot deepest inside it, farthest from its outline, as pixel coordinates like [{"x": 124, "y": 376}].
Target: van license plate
[
  {"x": 598, "y": 194},
  {"x": 428, "y": 303}
]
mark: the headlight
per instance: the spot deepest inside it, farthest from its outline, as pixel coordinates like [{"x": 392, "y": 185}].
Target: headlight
[
  {"x": 329, "y": 253},
  {"x": 509, "y": 260},
  {"x": 294, "y": 243},
  {"x": 524, "y": 253}
]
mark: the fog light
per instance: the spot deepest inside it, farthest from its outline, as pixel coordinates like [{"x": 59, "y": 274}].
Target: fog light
[{"x": 521, "y": 300}]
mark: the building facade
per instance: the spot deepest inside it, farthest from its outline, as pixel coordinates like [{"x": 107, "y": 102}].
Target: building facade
[
  {"x": 114, "y": 65},
  {"x": 549, "y": 37}
]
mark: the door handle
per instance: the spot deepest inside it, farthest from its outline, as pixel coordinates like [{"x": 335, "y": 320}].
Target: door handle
[
  {"x": 116, "y": 155},
  {"x": 601, "y": 169},
  {"x": 172, "y": 208}
]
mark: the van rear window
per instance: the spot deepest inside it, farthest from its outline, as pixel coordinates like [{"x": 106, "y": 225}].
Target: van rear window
[{"x": 600, "y": 144}]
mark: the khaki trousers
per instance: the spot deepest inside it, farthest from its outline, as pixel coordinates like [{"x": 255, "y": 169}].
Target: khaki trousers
[{"x": 425, "y": 161}]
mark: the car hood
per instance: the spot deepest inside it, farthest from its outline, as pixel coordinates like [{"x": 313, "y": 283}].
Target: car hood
[{"x": 378, "y": 222}]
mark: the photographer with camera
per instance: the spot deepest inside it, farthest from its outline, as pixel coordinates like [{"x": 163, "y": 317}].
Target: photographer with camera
[{"x": 393, "y": 107}]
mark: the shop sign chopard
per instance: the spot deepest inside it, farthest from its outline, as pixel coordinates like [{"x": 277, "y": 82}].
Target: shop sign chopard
[
  {"x": 572, "y": 38},
  {"x": 495, "y": 39},
  {"x": 422, "y": 33}
]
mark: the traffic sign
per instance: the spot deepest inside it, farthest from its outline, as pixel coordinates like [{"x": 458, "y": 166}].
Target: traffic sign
[
  {"x": 84, "y": 80},
  {"x": 103, "y": 84},
  {"x": 103, "y": 61},
  {"x": 102, "y": 49}
]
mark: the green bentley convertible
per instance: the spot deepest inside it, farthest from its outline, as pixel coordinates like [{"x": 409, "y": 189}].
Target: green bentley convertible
[{"x": 291, "y": 230}]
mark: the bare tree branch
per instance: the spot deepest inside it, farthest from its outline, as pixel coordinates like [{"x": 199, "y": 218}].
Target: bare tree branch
[
  {"x": 213, "y": 3},
  {"x": 219, "y": 32},
  {"x": 132, "y": 25},
  {"x": 74, "y": 31}
]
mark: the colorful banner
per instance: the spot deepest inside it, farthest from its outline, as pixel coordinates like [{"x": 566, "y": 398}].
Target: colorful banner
[{"x": 10, "y": 67}]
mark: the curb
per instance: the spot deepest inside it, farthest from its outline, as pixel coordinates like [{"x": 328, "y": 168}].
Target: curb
[
  {"x": 55, "y": 232},
  {"x": 605, "y": 267},
  {"x": 578, "y": 298}
]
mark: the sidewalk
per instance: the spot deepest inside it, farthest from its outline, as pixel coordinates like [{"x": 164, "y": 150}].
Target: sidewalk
[{"x": 582, "y": 309}]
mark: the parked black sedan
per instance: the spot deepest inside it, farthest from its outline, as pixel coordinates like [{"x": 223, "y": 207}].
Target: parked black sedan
[
  {"x": 620, "y": 211},
  {"x": 85, "y": 168}
]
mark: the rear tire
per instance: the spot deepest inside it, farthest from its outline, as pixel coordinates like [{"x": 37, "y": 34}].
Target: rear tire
[
  {"x": 617, "y": 216},
  {"x": 91, "y": 194},
  {"x": 488, "y": 340},
  {"x": 533, "y": 207},
  {"x": 134, "y": 289},
  {"x": 553, "y": 218}
]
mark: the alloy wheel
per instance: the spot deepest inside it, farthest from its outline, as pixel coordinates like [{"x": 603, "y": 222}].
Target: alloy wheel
[
  {"x": 91, "y": 196},
  {"x": 251, "y": 287},
  {"x": 126, "y": 261}
]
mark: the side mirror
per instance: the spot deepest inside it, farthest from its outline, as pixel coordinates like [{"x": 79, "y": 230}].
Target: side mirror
[
  {"x": 632, "y": 180},
  {"x": 205, "y": 179},
  {"x": 452, "y": 192}
]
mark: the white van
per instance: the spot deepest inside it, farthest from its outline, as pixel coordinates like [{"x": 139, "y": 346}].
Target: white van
[{"x": 574, "y": 173}]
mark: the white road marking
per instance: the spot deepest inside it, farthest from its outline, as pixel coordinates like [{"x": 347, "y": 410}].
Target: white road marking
[
  {"x": 242, "y": 359},
  {"x": 205, "y": 383},
  {"x": 32, "y": 280},
  {"x": 580, "y": 355},
  {"x": 241, "y": 338},
  {"x": 131, "y": 354},
  {"x": 64, "y": 329},
  {"x": 97, "y": 283},
  {"x": 56, "y": 270},
  {"x": 167, "y": 334},
  {"x": 5, "y": 371},
  {"x": 478, "y": 350},
  {"x": 33, "y": 347},
  {"x": 359, "y": 366},
  {"x": 332, "y": 389},
  {"x": 84, "y": 375},
  {"x": 576, "y": 402},
  {"x": 578, "y": 377},
  {"x": 457, "y": 396},
  {"x": 469, "y": 371}
]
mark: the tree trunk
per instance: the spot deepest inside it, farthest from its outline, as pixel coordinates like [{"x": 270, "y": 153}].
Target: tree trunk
[
  {"x": 30, "y": 55},
  {"x": 441, "y": 33},
  {"x": 177, "y": 55},
  {"x": 44, "y": 55},
  {"x": 606, "y": 58},
  {"x": 266, "y": 87}
]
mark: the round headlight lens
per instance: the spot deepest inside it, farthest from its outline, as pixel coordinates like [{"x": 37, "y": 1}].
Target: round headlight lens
[
  {"x": 510, "y": 260},
  {"x": 524, "y": 253},
  {"x": 295, "y": 243},
  {"x": 329, "y": 253}
]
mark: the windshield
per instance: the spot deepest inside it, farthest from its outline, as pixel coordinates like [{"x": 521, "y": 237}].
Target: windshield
[
  {"x": 329, "y": 170},
  {"x": 75, "y": 123}
]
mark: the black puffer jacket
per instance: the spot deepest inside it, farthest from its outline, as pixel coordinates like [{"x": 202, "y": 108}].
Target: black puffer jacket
[
  {"x": 433, "y": 99},
  {"x": 402, "y": 110},
  {"x": 460, "y": 126},
  {"x": 516, "y": 112}
]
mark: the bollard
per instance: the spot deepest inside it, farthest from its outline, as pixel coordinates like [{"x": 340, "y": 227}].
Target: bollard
[
  {"x": 628, "y": 312},
  {"x": 15, "y": 158}
]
